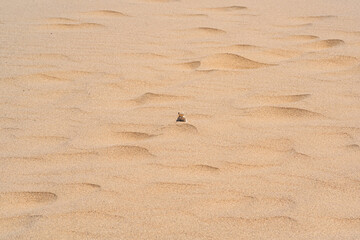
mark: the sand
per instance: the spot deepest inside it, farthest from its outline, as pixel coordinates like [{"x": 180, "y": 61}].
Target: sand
[{"x": 90, "y": 92}]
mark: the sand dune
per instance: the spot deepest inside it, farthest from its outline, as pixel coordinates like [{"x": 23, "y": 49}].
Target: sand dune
[
  {"x": 227, "y": 9},
  {"x": 323, "y": 44},
  {"x": 228, "y": 61},
  {"x": 188, "y": 65},
  {"x": 270, "y": 112},
  {"x": 257, "y": 53},
  {"x": 300, "y": 37},
  {"x": 135, "y": 136},
  {"x": 73, "y": 26},
  {"x": 161, "y": 1},
  {"x": 47, "y": 56},
  {"x": 331, "y": 63},
  {"x": 316, "y": 18},
  {"x": 61, "y": 20},
  {"x": 124, "y": 151},
  {"x": 17, "y": 200},
  {"x": 12, "y": 225},
  {"x": 149, "y": 56},
  {"x": 166, "y": 187},
  {"x": 42, "y": 78},
  {"x": 295, "y": 26},
  {"x": 282, "y": 220},
  {"x": 205, "y": 31},
  {"x": 282, "y": 99},
  {"x": 89, "y": 97},
  {"x": 190, "y": 15},
  {"x": 153, "y": 97},
  {"x": 105, "y": 13},
  {"x": 185, "y": 128}
]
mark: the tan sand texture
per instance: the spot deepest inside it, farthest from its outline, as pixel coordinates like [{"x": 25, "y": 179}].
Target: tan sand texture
[{"x": 90, "y": 92}]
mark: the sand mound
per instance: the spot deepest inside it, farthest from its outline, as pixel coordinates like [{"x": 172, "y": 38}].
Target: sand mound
[
  {"x": 124, "y": 151},
  {"x": 19, "y": 200},
  {"x": 41, "y": 81},
  {"x": 354, "y": 71},
  {"x": 71, "y": 191},
  {"x": 175, "y": 186},
  {"x": 135, "y": 136},
  {"x": 268, "y": 222},
  {"x": 243, "y": 47},
  {"x": 189, "y": 15},
  {"x": 258, "y": 53},
  {"x": 40, "y": 140},
  {"x": 43, "y": 78},
  {"x": 331, "y": 63},
  {"x": 300, "y": 37},
  {"x": 236, "y": 166},
  {"x": 146, "y": 55},
  {"x": 295, "y": 26},
  {"x": 282, "y": 98},
  {"x": 353, "y": 147},
  {"x": 228, "y": 61},
  {"x": 323, "y": 44},
  {"x": 104, "y": 136},
  {"x": 61, "y": 20},
  {"x": 195, "y": 169},
  {"x": 182, "y": 128},
  {"x": 348, "y": 33},
  {"x": 156, "y": 98},
  {"x": 227, "y": 9},
  {"x": 161, "y": 1},
  {"x": 188, "y": 65},
  {"x": 105, "y": 13},
  {"x": 206, "y": 31},
  {"x": 277, "y": 144},
  {"x": 317, "y": 18},
  {"x": 279, "y": 54},
  {"x": 47, "y": 56},
  {"x": 74, "y": 26},
  {"x": 204, "y": 167},
  {"x": 17, "y": 224},
  {"x": 79, "y": 188},
  {"x": 270, "y": 112},
  {"x": 81, "y": 224}
]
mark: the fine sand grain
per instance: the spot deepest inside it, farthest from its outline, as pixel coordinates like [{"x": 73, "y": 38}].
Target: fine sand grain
[{"x": 90, "y": 92}]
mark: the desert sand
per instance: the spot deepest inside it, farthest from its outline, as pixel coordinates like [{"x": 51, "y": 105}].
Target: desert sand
[{"x": 91, "y": 90}]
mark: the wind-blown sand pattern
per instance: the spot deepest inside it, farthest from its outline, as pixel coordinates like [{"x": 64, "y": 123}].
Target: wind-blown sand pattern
[{"x": 90, "y": 92}]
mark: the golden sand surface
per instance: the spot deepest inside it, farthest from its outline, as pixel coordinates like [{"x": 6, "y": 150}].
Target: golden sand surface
[{"x": 89, "y": 96}]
